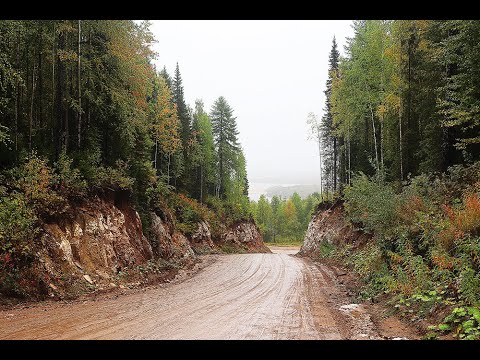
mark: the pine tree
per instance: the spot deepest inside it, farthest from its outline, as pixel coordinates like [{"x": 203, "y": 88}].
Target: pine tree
[
  {"x": 225, "y": 134},
  {"x": 182, "y": 109},
  {"x": 167, "y": 77},
  {"x": 330, "y": 138}
]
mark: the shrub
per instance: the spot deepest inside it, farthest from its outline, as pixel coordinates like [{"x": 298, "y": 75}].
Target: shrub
[
  {"x": 37, "y": 182},
  {"x": 188, "y": 212},
  {"x": 17, "y": 224},
  {"x": 18, "y": 229},
  {"x": 70, "y": 183},
  {"x": 114, "y": 178},
  {"x": 371, "y": 202}
]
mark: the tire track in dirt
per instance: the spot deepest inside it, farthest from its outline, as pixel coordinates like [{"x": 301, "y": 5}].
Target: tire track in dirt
[{"x": 241, "y": 296}]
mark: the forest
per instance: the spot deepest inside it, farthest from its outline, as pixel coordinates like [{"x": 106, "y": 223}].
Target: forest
[
  {"x": 403, "y": 100},
  {"x": 84, "y": 110},
  {"x": 400, "y": 148},
  {"x": 282, "y": 220}
]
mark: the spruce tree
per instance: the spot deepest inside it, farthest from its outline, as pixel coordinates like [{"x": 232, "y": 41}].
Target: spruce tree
[
  {"x": 185, "y": 181},
  {"x": 330, "y": 139},
  {"x": 167, "y": 77},
  {"x": 225, "y": 134},
  {"x": 182, "y": 110}
]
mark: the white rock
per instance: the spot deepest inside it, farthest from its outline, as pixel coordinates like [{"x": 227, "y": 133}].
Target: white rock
[
  {"x": 88, "y": 278},
  {"x": 349, "y": 307}
]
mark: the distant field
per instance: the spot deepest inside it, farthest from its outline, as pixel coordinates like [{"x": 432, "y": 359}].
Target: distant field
[{"x": 285, "y": 243}]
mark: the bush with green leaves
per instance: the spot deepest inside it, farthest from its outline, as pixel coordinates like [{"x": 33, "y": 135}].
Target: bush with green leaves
[
  {"x": 37, "y": 181},
  {"x": 426, "y": 237},
  {"x": 18, "y": 229},
  {"x": 463, "y": 321},
  {"x": 70, "y": 183},
  {"x": 17, "y": 223},
  {"x": 114, "y": 178},
  {"x": 371, "y": 202}
]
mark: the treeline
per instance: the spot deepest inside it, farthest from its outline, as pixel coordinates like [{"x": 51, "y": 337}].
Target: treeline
[
  {"x": 88, "y": 91},
  {"x": 404, "y": 99},
  {"x": 284, "y": 220}
]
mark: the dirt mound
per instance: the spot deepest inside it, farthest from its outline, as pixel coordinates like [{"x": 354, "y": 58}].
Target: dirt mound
[{"x": 328, "y": 225}]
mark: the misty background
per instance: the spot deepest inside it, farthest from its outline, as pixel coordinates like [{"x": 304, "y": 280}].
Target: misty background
[{"x": 272, "y": 74}]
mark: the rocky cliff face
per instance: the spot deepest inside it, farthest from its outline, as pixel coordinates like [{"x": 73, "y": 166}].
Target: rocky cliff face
[
  {"x": 245, "y": 235},
  {"x": 328, "y": 225},
  {"x": 99, "y": 241},
  {"x": 103, "y": 240},
  {"x": 201, "y": 239},
  {"x": 169, "y": 243}
]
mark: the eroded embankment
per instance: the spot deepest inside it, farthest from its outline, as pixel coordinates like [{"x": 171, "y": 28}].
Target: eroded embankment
[
  {"x": 328, "y": 228},
  {"x": 101, "y": 245}
]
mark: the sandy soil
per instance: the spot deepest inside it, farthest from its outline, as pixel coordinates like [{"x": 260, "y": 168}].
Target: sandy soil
[{"x": 244, "y": 296}]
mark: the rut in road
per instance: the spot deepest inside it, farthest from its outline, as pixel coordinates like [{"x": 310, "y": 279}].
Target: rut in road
[{"x": 241, "y": 296}]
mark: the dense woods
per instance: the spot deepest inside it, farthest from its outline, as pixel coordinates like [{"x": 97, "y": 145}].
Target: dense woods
[
  {"x": 403, "y": 100},
  {"x": 84, "y": 110},
  {"x": 400, "y": 145}
]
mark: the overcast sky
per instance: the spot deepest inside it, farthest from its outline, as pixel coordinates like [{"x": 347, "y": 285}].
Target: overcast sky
[{"x": 272, "y": 74}]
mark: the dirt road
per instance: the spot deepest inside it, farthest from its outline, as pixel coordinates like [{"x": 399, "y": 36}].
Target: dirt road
[{"x": 244, "y": 296}]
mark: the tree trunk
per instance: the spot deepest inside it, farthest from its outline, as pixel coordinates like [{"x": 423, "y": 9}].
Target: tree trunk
[
  {"x": 156, "y": 152},
  {"x": 374, "y": 134},
  {"x": 400, "y": 140},
  {"x": 32, "y": 98},
  {"x": 17, "y": 96},
  {"x": 59, "y": 118},
  {"x": 66, "y": 135},
  {"x": 53, "y": 127},
  {"x": 79, "y": 121},
  {"x": 40, "y": 124},
  {"x": 409, "y": 106},
  {"x": 334, "y": 164},
  {"x": 320, "y": 160}
]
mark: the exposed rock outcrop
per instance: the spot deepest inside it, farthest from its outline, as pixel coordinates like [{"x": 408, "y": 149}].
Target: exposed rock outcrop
[
  {"x": 201, "y": 239},
  {"x": 100, "y": 244},
  {"x": 99, "y": 241},
  {"x": 245, "y": 235},
  {"x": 328, "y": 225},
  {"x": 169, "y": 243}
]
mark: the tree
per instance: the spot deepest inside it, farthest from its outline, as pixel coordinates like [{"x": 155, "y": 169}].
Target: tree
[
  {"x": 329, "y": 137},
  {"x": 167, "y": 78},
  {"x": 316, "y": 134},
  {"x": 263, "y": 215},
  {"x": 459, "y": 94},
  {"x": 204, "y": 156},
  {"x": 165, "y": 126},
  {"x": 182, "y": 110},
  {"x": 225, "y": 134},
  {"x": 291, "y": 220}
]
